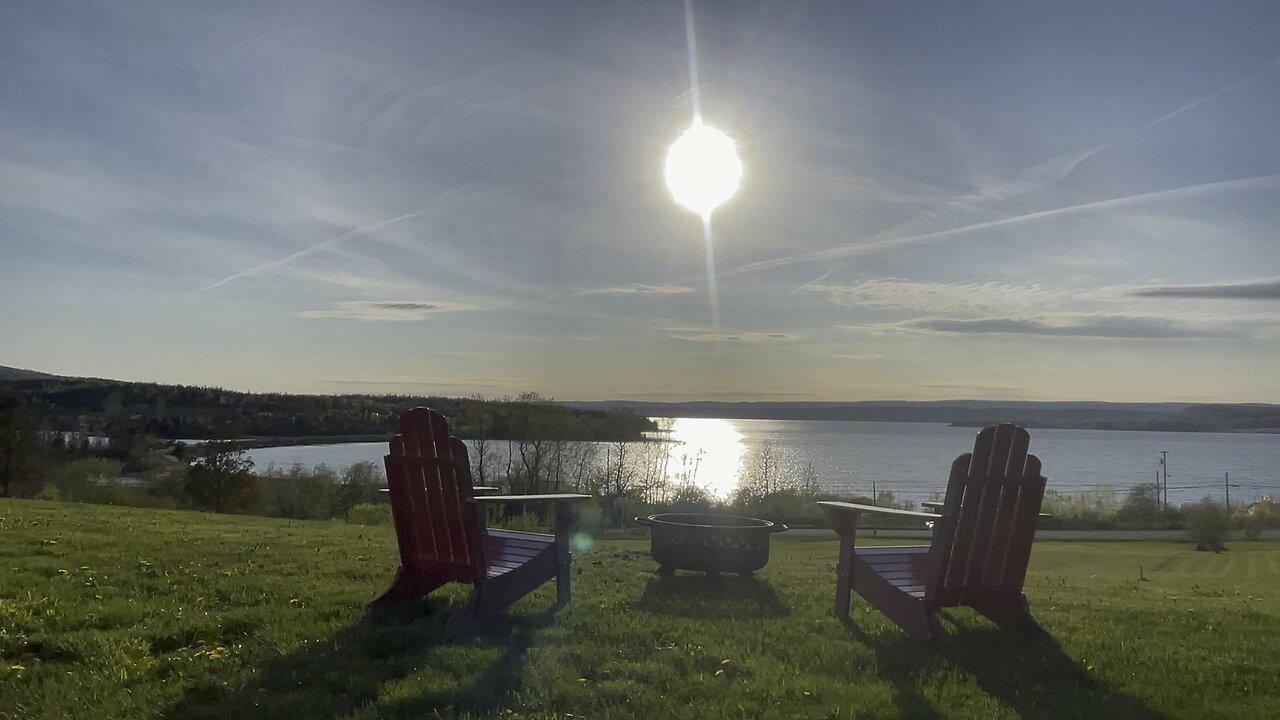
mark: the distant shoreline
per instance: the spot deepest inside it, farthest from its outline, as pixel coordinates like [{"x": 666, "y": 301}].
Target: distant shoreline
[
  {"x": 1051, "y": 426},
  {"x": 270, "y": 442}
]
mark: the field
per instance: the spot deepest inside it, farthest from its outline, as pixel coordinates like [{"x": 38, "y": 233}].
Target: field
[{"x": 122, "y": 613}]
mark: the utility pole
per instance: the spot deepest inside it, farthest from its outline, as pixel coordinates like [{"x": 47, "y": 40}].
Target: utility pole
[
  {"x": 1164, "y": 465},
  {"x": 1226, "y": 483},
  {"x": 873, "y": 492}
]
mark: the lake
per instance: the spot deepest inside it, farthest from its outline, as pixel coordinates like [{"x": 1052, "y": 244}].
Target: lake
[{"x": 910, "y": 459}]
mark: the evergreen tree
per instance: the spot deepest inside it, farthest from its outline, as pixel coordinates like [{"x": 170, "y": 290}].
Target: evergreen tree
[{"x": 19, "y": 450}]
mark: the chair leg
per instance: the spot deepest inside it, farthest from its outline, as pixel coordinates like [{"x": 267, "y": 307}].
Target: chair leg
[
  {"x": 916, "y": 618},
  {"x": 562, "y": 581},
  {"x": 404, "y": 586},
  {"x": 934, "y": 628},
  {"x": 844, "y": 566},
  {"x": 563, "y": 521},
  {"x": 1013, "y": 615}
]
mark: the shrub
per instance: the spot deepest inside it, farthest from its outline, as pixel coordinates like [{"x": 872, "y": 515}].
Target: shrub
[
  {"x": 691, "y": 498},
  {"x": 359, "y": 485},
  {"x": 370, "y": 514},
  {"x": 83, "y": 480},
  {"x": 298, "y": 493},
  {"x": 1208, "y": 524},
  {"x": 1141, "y": 507},
  {"x": 520, "y": 522}
]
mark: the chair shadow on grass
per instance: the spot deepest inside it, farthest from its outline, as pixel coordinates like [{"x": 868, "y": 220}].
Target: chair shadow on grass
[
  {"x": 1031, "y": 676},
  {"x": 336, "y": 676},
  {"x": 721, "y": 596}
]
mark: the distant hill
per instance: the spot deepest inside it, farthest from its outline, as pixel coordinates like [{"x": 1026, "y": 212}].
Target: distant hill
[
  {"x": 1184, "y": 417},
  {"x": 113, "y": 407},
  {"x": 8, "y": 374},
  {"x": 186, "y": 411}
]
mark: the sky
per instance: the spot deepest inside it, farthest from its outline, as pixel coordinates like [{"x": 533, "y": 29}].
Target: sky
[{"x": 1044, "y": 201}]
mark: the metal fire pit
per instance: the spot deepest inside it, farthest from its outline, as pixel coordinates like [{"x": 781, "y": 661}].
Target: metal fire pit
[{"x": 709, "y": 543}]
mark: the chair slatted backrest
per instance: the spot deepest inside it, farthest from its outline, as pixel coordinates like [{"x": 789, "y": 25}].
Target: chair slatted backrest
[
  {"x": 429, "y": 477},
  {"x": 983, "y": 545}
]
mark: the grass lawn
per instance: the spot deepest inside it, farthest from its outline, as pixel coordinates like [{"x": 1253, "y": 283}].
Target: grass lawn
[{"x": 122, "y": 613}]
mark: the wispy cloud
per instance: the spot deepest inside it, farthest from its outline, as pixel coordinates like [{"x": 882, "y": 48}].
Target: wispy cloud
[
  {"x": 891, "y": 293},
  {"x": 735, "y": 396},
  {"x": 1061, "y": 167},
  {"x": 1268, "y": 289},
  {"x": 1266, "y": 70},
  {"x": 639, "y": 289},
  {"x": 1120, "y": 327},
  {"x": 988, "y": 390},
  {"x": 322, "y": 245},
  {"x": 384, "y": 311},
  {"x": 743, "y": 337},
  {"x": 1029, "y": 180},
  {"x": 386, "y": 383},
  {"x": 1187, "y": 192}
]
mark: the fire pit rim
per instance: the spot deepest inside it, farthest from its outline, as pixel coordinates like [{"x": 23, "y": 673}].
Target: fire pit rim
[{"x": 747, "y": 523}]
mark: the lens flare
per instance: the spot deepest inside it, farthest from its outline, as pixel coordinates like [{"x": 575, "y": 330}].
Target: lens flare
[{"x": 703, "y": 169}]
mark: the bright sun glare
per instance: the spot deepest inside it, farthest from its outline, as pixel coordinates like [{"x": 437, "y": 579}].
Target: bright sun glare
[{"x": 703, "y": 169}]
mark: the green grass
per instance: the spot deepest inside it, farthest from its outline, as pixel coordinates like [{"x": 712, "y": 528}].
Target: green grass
[{"x": 120, "y": 613}]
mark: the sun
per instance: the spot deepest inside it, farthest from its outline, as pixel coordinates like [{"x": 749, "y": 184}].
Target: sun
[{"x": 703, "y": 169}]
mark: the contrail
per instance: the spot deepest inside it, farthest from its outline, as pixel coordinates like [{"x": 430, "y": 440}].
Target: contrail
[
  {"x": 1056, "y": 173},
  {"x": 323, "y": 245},
  {"x": 1261, "y": 182},
  {"x": 1060, "y": 167},
  {"x": 1270, "y": 68}
]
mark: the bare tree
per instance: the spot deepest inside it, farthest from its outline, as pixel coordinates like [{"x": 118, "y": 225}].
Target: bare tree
[{"x": 478, "y": 415}]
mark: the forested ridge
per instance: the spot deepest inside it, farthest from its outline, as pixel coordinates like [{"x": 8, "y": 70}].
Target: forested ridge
[{"x": 100, "y": 406}]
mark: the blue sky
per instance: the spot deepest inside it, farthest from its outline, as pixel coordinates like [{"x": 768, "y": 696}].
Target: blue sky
[{"x": 941, "y": 200}]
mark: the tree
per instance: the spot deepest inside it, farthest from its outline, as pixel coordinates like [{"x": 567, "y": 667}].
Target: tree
[
  {"x": 477, "y": 417},
  {"x": 1208, "y": 524},
  {"x": 221, "y": 477},
  {"x": 1141, "y": 506},
  {"x": 359, "y": 484},
  {"x": 19, "y": 450},
  {"x": 538, "y": 426},
  {"x": 298, "y": 493}
]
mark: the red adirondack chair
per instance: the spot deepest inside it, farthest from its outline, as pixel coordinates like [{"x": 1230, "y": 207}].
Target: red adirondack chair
[
  {"x": 440, "y": 525},
  {"x": 981, "y": 543}
]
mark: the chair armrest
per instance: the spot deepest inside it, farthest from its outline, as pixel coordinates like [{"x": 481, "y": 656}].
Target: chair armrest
[
  {"x": 485, "y": 489},
  {"x": 856, "y": 508},
  {"x": 937, "y": 507},
  {"x": 558, "y": 497}
]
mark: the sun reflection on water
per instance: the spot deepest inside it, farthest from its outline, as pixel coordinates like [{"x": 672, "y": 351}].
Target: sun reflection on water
[{"x": 707, "y": 453}]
